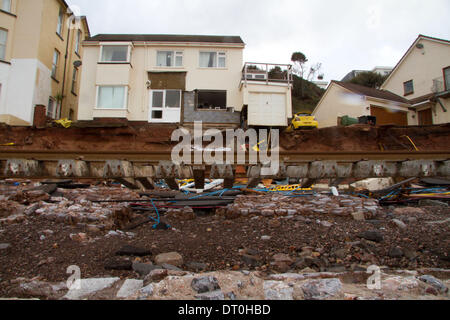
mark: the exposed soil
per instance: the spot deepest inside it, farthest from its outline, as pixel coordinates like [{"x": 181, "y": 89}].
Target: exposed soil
[
  {"x": 153, "y": 137},
  {"x": 217, "y": 242}
]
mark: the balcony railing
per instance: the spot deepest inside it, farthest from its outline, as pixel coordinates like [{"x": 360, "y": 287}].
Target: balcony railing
[
  {"x": 439, "y": 85},
  {"x": 267, "y": 73}
]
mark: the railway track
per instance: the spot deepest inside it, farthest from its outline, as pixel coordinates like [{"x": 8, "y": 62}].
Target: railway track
[{"x": 142, "y": 167}]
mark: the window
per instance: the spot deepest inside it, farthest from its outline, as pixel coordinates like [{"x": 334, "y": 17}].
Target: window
[
  {"x": 112, "y": 97},
  {"x": 212, "y": 59},
  {"x": 77, "y": 44},
  {"x": 409, "y": 87},
  {"x": 53, "y": 109},
  {"x": 447, "y": 78},
  {"x": 169, "y": 59},
  {"x": 114, "y": 54},
  {"x": 212, "y": 99},
  {"x": 59, "y": 28},
  {"x": 3, "y": 39},
  {"x": 74, "y": 80},
  {"x": 55, "y": 63},
  {"x": 6, "y": 5},
  {"x": 165, "y": 105}
]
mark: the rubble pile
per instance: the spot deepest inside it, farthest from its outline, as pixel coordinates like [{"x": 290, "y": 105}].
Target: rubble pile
[
  {"x": 276, "y": 205},
  {"x": 69, "y": 206},
  {"x": 245, "y": 285}
]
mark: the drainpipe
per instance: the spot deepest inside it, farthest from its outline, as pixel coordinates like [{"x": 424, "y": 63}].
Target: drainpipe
[{"x": 65, "y": 70}]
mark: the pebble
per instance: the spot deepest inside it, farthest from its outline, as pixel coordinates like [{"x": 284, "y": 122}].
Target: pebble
[
  {"x": 173, "y": 258},
  {"x": 435, "y": 283},
  {"x": 399, "y": 224},
  {"x": 205, "y": 284},
  {"x": 372, "y": 235},
  {"x": 321, "y": 289},
  {"x": 265, "y": 238}
]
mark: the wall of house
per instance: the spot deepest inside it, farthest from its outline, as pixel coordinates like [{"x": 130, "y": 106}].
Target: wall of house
[
  {"x": 191, "y": 114},
  {"x": 135, "y": 76},
  {"x": 338, "y": 102},
  {"x": 439, "y": 116},
  {"x": 422, "y": 66}
]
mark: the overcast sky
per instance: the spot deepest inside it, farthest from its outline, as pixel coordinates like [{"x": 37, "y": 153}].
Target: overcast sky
[{"x": 343, "y": 35}]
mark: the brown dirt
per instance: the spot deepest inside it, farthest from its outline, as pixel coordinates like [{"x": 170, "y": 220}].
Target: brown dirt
[
  {"x": 157, "y": 138},
  {"x": 216, "y": 241}
]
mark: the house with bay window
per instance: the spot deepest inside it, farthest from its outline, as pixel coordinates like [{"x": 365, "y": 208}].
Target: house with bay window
[
  {"x": 40, "y": 59},
  {"x": 180, "y": 79}
]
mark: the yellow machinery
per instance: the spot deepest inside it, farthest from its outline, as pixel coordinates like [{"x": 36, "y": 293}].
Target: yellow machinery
[{"x": 303, "y": 121}]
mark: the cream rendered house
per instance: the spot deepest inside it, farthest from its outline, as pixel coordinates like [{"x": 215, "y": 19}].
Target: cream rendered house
[
  {"x": 348, "y": 99},
  {"x": 423, "y": 77},
  {"x": 179, "y": 79},
  {"x": 40, "y": 54}
]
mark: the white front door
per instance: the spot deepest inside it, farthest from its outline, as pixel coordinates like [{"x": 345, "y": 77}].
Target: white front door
[{"x": 165, "y": 106}]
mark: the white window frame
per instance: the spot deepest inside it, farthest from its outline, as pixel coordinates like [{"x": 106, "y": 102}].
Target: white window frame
[
  {"x": 164, "y": 107},
  {"x": 100, "y": 59},
  {"x": 78, "y": 42},
  {"x": 55, "y": 65},
  {"x": 125, "y": 98},
  {"x": 4, "y": 44},
  {"x": 218, "y": 54},
  {"x": 60, "y": 25},
  {"x": 6, "y": 5},
  {"x": 175, "y": 54},
  {"x": 56, "y": 109}
]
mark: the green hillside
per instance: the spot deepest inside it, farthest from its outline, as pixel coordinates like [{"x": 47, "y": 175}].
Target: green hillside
[{"x": 305, "y": 95}]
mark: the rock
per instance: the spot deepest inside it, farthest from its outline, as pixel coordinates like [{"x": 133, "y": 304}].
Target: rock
[
  {"x": 89, "y": 286},
  {"x": 395, "y": 252},
  {"x": 133, "y": 251},
  {"x": 282, "y": 262},
  {"x": 432, "y": 203},
  {"x": 266, "y": 238},
  {"x": 173, "y": 258},
  {"x": 144, "y": 269},
  {"x": 267, "y": 213},
  {"x": 122, "y": 265},
  {"x": 372, "y": 235},
  {"x": 399, "y": 224},
  {"x": 79, "y": 237},
  {"x": 147, "y": 291},
  {"x": 129, "y": 288},
  {"x": 31, "y": 209},
  {"x": 435, "y": 283},
  {"x": 42, "y": 290},
  {"x": 326, "y": 224},
  {"x": 341, "y": 253},
  {"x": 170, "y": 267},
  {"x": 205, "y": 284},
  {"x": 410, "y": 254},
  {"x": 277, "y": 290},
  {"x": 275, "y": 223},
  {"x": 211, "y": 296},
  {"x": 409, "y": 211},
  {"x": 321, "y": 289},
  {"x": 157, "y": 275},
  {"x": 5, "y": 247},
  {"x": 197, "y": 266},
  {"x": 251, "y": 260},
  {"x": 358, "y": 216},
  {"x": 397, "y": 283}
]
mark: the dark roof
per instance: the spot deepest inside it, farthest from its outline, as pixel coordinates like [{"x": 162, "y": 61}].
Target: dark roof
[
  {"x": 424, "y": 98},
  {"x": 167, "y": 38},
  {"x": 371, "y": 92}
]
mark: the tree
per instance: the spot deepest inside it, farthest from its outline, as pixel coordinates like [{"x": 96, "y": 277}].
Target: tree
[
  {"x": 369, "y": 79},
  {"x": 300, "y": 60}
]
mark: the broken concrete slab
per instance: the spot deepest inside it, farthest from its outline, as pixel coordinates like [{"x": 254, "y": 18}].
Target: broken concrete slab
[{"x": 129, "y": 288}]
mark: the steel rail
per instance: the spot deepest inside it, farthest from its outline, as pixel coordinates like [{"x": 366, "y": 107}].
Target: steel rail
[{"x": 285, "y": 156}]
